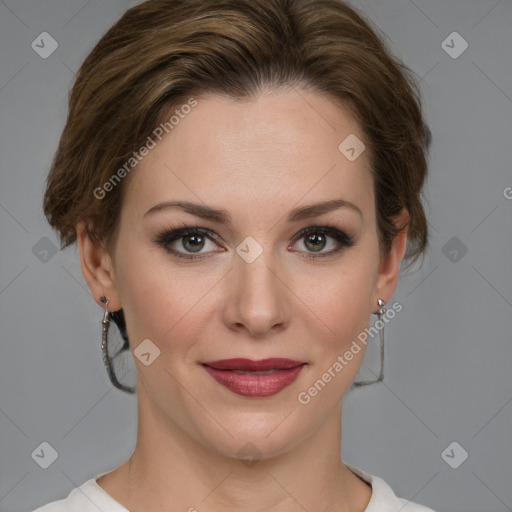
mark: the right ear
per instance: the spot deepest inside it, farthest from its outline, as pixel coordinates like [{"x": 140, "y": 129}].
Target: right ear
[{"x": 97, "y": 268}]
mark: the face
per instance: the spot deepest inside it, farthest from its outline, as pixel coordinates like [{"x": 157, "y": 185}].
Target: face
[{"x": 255, "y": 284}]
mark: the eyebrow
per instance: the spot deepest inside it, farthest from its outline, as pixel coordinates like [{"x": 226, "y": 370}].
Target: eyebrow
[{"x": 223, "y": 217}]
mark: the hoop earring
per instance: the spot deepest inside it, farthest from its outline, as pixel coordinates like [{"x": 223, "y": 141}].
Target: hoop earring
[
  {"x": 380, "y": 378},
  {"x": 105, "y": 325}
]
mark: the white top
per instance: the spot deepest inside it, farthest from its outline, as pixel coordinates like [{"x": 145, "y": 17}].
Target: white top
[{"x": 90, "y": 497}]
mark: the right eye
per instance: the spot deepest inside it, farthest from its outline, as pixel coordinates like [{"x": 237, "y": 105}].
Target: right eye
[{"x": 191, "y": 239}]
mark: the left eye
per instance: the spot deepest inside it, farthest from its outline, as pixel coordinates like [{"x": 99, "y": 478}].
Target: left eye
[
  {"x": 315, "y": 238},
  {"x": 315, "y": 242},
  {"x": 193, "y": 240}
]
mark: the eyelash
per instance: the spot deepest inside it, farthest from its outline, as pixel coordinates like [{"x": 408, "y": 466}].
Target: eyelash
[{"x": 167, "y": 236}]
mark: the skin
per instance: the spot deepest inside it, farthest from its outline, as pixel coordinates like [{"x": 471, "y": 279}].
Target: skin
[{"x": 257, "y": 159}]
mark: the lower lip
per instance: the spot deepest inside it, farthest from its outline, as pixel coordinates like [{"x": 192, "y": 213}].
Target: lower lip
[{"x": 255, "y": 385}]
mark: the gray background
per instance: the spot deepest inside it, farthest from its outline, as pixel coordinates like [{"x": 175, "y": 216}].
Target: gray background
[{"x": 448, "y": 352}]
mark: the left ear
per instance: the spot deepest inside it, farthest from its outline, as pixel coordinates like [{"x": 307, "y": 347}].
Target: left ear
[{"x": 389, "y": 268}]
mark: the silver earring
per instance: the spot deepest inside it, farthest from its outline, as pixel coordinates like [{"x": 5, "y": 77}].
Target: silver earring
[
  {"x": 380, "y": 378},
  {"x": 107, "y": 360}
]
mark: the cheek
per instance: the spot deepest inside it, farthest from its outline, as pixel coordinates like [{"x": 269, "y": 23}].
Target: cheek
[
  {"x": 344, "y": 299},
  {"x": 344, "y": 306},
  {"x": 345, "y": 309},
  {"x": 160, "y": 302}
]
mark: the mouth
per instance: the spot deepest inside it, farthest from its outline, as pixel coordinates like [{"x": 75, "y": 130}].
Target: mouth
[{"x": 255, "y": 379}]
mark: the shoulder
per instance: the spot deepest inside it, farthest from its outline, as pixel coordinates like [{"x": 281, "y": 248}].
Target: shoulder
[
  {"x": 88, "y": 497},
  {"x": 383, "y": 498}
]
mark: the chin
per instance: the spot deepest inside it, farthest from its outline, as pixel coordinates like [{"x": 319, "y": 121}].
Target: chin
[{"x": 253, "y": 436}]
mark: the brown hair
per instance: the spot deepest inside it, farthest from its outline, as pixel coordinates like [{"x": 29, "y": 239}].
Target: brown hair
[{"x": 161, "y": 52}]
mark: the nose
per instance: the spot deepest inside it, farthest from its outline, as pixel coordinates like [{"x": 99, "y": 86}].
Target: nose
[{"x": 256, "y": 296}]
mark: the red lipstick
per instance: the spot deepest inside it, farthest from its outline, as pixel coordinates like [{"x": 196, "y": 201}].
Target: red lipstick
[{"x": 262, "y": 378}]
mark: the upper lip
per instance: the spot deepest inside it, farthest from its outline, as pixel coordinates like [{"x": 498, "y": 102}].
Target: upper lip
[{"x": 274, "y": 363}]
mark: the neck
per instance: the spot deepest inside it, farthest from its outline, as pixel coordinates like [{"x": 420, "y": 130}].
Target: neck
[{"x": 171, "y": 470}]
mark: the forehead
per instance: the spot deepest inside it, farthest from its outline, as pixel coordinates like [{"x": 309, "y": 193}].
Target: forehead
[{"x": 280, "y": 148}]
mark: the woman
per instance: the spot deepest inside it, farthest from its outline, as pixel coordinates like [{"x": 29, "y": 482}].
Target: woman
[{"x": 243, "y": 181}]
